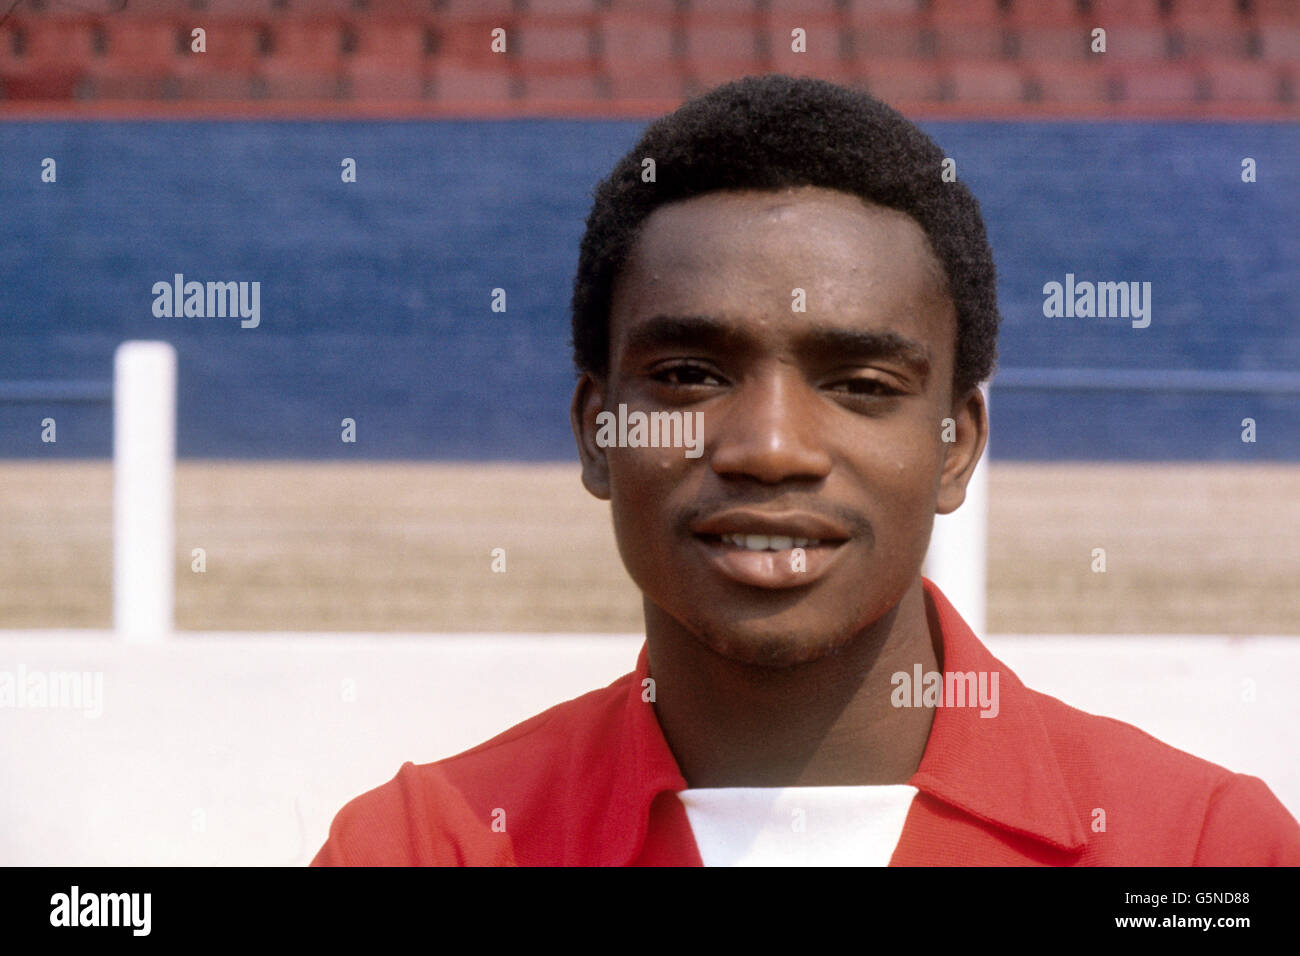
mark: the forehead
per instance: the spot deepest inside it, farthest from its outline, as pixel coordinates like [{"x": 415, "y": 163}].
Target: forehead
[{"x": 741, "y": 254}]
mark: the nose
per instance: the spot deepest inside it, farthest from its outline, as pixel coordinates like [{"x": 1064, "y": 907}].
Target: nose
[{"x": 770, "y": 431}]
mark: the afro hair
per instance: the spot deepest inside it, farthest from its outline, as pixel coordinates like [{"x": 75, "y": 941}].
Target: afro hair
[{"x": 772, "y": 132}]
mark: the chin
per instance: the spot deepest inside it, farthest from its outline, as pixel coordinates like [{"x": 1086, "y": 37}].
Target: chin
[{"x": 760, "y": 645}]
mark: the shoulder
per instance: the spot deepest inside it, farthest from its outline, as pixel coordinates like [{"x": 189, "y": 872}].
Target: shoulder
[
  {"x": 443, "y": 813},
  {"x": 1162, "y": 805}
]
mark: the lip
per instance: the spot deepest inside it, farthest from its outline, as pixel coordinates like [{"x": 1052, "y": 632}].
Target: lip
[
  {"x": 791, "y": 524},
  {"x": 769, "y": 569}
]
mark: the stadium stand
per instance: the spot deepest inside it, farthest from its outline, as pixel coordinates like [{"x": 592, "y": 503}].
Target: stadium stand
[{"x": 1214, "y": 58}]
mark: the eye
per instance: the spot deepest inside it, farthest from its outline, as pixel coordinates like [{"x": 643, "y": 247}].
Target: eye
[
  {"x": 866, "y": 387},
  {"x": 685, "y": 374}
]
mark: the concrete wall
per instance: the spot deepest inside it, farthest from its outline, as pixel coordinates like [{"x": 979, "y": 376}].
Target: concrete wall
[{"x": 230, "y": 749}]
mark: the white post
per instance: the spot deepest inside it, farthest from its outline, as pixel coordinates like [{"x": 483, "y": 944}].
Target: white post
[
  {"x": 958, "y": 557},
  {"x": 144, "y": 453}
]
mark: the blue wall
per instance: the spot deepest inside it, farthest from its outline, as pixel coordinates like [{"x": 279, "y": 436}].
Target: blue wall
[{"x": 375, "y": 295}]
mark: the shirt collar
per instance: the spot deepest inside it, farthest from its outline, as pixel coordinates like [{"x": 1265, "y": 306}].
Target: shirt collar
[{"x": 1002, "y": 770}]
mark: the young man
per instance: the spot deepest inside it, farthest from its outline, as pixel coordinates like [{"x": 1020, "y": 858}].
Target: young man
[{"x": 793, "y": 267}]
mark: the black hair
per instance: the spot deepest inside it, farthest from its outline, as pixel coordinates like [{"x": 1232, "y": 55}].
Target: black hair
[{"x": 771, "y": 132}]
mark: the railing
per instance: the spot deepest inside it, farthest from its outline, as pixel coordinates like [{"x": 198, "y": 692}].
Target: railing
[{"x": 143, "y": 395}]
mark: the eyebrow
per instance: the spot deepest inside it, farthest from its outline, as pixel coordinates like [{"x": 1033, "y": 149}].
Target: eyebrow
[{"x": 818, "y": 342}]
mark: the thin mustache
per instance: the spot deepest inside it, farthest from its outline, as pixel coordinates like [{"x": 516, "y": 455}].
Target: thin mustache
[{"x": 858, "y": 525}]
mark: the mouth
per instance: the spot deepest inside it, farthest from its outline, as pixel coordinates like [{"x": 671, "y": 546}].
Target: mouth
[
  {"x": 766, "y": 542},
  {"x": 770, "y": 551}
]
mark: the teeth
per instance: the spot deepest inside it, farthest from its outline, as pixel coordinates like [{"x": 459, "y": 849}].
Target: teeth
[{"x": 769, "y": 542}]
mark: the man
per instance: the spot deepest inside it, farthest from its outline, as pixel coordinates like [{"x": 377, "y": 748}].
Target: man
[{"x": 785, "y": 258}]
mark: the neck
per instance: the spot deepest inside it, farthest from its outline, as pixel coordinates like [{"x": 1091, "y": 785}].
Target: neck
[{"x": 824, "y": 723}]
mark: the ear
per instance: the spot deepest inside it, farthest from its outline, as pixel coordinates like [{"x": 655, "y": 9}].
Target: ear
[
  {"x": 971, "y": 434},
  {"x": 588, "y": 402}
]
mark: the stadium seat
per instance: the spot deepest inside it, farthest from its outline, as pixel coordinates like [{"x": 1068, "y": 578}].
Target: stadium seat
[
  {"x": 275, "y": 82},
  {"x": 1112, "y": 13},
  {"x": 584, "y": 87},
  {"x": 473, "y": 9},
  {"x": 1034, "y": 14},
  {"x": 309, "y": 44},
  {"x": 892, "y": 40},
  {"x": 1204, "y": 41},
  {"x": 983, "y": 82},
  {"x": 401, "y": 43},
  {"x": 1238, "y": 81},
  {"x": 1070, "y": 84},
  {"x": 871, "y": 11},
  {"x": 562, "y": 8},
  {"x": 667, "y": 85},
  {"x": 709, "y": 40},
  {"x": 535, "y": 40},
  {"x": 41, "y": 82},
  {"x": 375, "y": 78},
  {"x": 627, "y": 42},
  {"x": 1159, "y": 85},
  {"x": 971, "y": 13},
  {"x": 903, "y": 81},
  {"x": 232, "y": 87},
  {"x": 469, "y": 43},
  {"x": 824, "y": 43},
  {"x": 143, "y": 45},
  {"x": 451, "y": 84},
  {"x": 1281, "y": 44},
  {"x": 1129, "y": 43},
  {"x": 1054, "y": 44},
  {"x": 804, "y": 8},
  {"x": 978, "y": 41},
  {"x": 1215, "y": 14},
  {"x": 49, "y": 44}
]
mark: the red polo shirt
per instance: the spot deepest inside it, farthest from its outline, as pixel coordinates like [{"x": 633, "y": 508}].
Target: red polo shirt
[{"x": 591, "y": 782}]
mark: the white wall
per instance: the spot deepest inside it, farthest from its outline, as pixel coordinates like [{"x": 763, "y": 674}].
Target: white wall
[{"x": 228, "y": 749}]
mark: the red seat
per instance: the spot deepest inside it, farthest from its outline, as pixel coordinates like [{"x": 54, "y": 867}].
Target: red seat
[
  {"x": 1215, "y": 14},
  {"x": 823, "y": 43},
  {"x": 1047, "y": 13},
  {"x": 1127, "y": 43},
  {"x": 867, "y": 12},
  {"x": 456, "y": 85},
  {"x": 969, "y": 13},
  {"x": 583, "y": 87},
  {"x": 144, "y": 44},
  {"x": 903, "y": 81},
  {"x": 1071, "y": 84},
  {"x": 976, "y": 82},
  {"x": 893, "y": 41},
  {"x": 1239, "y": 81},
  {"x": 709, "y": 40},
  {"x": 1055, "y": 44},
  {"x": 401, "y": 43},
  {"x": 628, "y": 42},
  {"x": 1281, "y": 44},
  {"x": 374, "y": 78},
  {"x": 535, "y": 40},
  {"x": 1111, "y": 13},
  {"x": 1159, "y": 85},
  {"x": 970, "y": 41}
]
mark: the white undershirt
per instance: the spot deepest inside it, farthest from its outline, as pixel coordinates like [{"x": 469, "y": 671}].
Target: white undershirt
[{"x": 797, "y": 826}]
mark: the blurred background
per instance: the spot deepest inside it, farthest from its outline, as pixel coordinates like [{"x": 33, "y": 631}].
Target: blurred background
[{"x": 211, "y": 139}]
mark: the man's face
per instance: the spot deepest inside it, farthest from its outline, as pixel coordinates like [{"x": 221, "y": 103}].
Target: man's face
[{"x": 822, "y": 427}]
